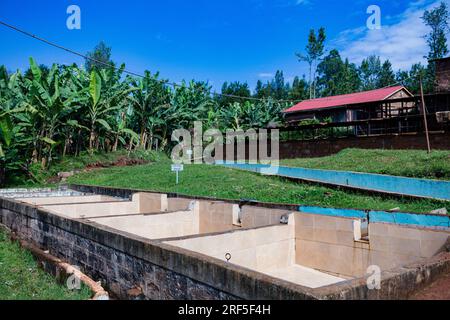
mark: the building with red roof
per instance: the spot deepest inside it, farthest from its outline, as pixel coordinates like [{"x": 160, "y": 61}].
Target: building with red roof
[{"x": 347, "y": 107}]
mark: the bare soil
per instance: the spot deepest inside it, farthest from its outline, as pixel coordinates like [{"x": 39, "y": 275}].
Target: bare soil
[
  {"x": 438, "y": 290},
  {"x": 121, "y": 162}
]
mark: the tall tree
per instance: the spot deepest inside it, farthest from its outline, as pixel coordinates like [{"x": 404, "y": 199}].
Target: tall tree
[
  {"x": 410, "y": 78},
  {"x": 259, "y": 89},
  {"x": 369, "y": 72},
  {"x": 280, "y": 89},
  {"x": 314, "y": 51},
  {"x": 437, "y": 20},
  {"x": 99, "y": 58},
  {"x": 235, "y": 88},
  {"x": 386, "y": 76},
  {"x": 336, "y": 76},
  {"x": 299, "y": 89}
]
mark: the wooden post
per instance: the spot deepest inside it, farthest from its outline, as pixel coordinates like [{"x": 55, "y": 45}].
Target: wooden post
[{"x": 425, "y": 116}]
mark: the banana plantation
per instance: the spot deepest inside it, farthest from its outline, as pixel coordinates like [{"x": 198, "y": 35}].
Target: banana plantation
[{"x": 49, "y": 113}]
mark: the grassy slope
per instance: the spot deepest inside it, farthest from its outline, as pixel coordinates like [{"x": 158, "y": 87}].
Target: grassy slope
[
  {"x": 215, "y": 181},
  {"x": 21, "y": 279},
  {"x": 71, "y": 163},
  {"x": 408, "y": 163}
]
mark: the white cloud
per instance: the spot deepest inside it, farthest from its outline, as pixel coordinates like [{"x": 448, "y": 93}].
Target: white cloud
[
  {"x": 402, "y": 41},
  {"x": 266, "y": 75}
]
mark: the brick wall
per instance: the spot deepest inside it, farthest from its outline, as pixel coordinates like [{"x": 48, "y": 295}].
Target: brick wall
[
  {"x": 321, "y": 148},
  {"x": 443, "y": 74}
]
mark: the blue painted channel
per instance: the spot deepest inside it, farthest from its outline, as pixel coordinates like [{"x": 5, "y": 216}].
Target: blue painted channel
[
  {"x": 402, "y": 218},
  {"x": 424, "y": 188}
]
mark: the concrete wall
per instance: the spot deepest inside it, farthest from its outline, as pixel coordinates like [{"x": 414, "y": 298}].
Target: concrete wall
[
  {"x": 158, "y": 226},
  {"x": 383, "y": 183},
  {"x": 178, "y": 204},
  {"x": 327, "y": 243},
  {"x": 141, "y": 203},
  {"x": 253, "y": 217},
  {"x": 65, "y": 200},
  {"x": 216, "y": 216},
  {"x": 262, "y": 249},
  {"x": 89, "y": 210},
  {"x": 150, "y": 203},
  {"x": 159, "y": 271},
  {"x": 123, "y": 261},
  {"x": 392, "y": 245}
]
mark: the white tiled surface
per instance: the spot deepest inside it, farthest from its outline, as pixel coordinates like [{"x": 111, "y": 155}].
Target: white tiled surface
[{"x": 305, "y": 276}]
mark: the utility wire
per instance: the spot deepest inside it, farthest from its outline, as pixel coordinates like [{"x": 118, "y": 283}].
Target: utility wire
[{"x": 109, "y": 65}]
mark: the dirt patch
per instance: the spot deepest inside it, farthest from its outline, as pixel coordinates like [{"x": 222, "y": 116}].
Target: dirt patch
[
  {"x": 121, "y": 162},
  {"x": 438, "y": 290}
]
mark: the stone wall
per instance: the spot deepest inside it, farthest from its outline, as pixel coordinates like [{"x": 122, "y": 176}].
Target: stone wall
[
  {"x": 127, "y": 264},
  {"x": 321, "y": 148},
  {"x": 133, "y": 267}
]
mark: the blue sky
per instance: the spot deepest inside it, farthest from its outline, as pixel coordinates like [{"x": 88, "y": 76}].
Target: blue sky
[{"x": 212, "y": 40}]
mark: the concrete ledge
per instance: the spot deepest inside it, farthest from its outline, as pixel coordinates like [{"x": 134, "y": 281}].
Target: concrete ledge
[
  {"x": 231, "y": 280},
  {"x": 398, "y": 283},
  {"x": 127, "y": 264}
]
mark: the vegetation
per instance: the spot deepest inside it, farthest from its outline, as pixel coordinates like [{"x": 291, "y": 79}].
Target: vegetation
[
  {"x": 40, "y": 177},
  {"x": 437, "y": 20},
  {"x": 46, "y": 116},
  {"x": 21, "y": 279},
  {"x": 220, "y": 182},
  {"x": 49, "y": 113},
  {"x": 408, "y": 163},
  {"x": 314, "y": 51}
]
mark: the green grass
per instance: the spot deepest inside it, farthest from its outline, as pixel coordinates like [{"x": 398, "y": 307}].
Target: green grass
[
  {"x": 220, "y": 182},
  {"x": 407, "y": 163},
  {"x": 21, "y": 279},
  {"x": 71, "y": 163}
]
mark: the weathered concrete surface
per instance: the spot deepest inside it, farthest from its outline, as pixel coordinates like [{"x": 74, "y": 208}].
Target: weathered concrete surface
[
  {"x": 123, "y": 261},
  {"x": 399, "y": 283},
  {"x": 133, "y": 267},
  {"x": 380, "y": 183}
]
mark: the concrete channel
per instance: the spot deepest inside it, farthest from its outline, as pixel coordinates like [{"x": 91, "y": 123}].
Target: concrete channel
[
  {"x": 420, "y": 188},
  {"x": 164, "y": 246}
]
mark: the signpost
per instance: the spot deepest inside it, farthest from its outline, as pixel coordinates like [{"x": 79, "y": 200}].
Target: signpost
[
  {"x": 177, "y": 168},
  {"x": 424, "y": 111}
]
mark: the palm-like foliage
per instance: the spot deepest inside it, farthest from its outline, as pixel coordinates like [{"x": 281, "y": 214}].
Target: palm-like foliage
[
  {"x": 107, "y": 95},
  {"x": 50, "y": 112},
  {"x": 147, "y": 102}
]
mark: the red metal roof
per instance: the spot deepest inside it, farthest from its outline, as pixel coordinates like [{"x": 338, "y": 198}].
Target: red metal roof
[{"x": 346, "y": 99}]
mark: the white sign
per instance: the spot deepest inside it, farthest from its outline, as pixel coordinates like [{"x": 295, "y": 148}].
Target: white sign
[{"x": 177, "y": 167}]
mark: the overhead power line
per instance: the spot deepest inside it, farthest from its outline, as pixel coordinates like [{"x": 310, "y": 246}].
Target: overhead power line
[{"x": 109, "y": 65}]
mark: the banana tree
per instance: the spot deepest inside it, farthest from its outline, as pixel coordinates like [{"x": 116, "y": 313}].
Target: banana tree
[
  {"x": 120, "y": 132},
  {"x": 151, "y": 96},
  {"x": 104, "y": 101},
  {"x": 48, "y": 105},
  {"x": 6, "y": 132}
]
